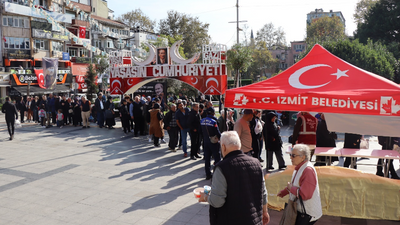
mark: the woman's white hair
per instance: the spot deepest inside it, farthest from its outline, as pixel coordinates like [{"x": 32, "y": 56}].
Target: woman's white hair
[
  {"x": 231, "y": 140},
  {"x": 303, "y": 150}
]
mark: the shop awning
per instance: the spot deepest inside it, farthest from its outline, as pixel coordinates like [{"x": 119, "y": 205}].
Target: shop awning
[{"x": 36, "y": 90}]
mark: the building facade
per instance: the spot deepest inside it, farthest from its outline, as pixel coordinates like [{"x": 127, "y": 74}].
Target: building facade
[{"x": 319, "y": 13}]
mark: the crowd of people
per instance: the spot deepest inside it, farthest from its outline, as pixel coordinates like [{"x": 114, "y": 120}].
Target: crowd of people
[{"x": 233, "y": 141}]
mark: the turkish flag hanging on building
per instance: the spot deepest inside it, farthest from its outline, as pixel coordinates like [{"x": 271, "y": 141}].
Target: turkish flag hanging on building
[
  {"x": 82, "y": 32},
  {"x": 40, "y": 78}
]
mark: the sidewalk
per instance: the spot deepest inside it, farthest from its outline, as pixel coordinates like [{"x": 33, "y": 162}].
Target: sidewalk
[{"x": 101, "y": 176}]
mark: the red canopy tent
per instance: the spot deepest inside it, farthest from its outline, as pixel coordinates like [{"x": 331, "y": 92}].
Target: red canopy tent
[{"x": 322, "y": 82}]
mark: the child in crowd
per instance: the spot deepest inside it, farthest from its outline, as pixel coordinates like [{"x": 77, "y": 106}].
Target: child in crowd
[
  {"x": 60, "y": 118},
  {"x": 42, "y": 116}
]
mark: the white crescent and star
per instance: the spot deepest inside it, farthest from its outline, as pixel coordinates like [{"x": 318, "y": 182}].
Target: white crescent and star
[
  {"x": 294, "y": 79},
  {"x": 112, "y": 84},
  {"x": 129, "y": 82},
  {"x": 196, "y": 80},
  {"x": 211, "y": 79},
  {"x": 177, "y": 58},
  {"x": 152, "y": 54},
  {"x": 41, "y": 74}
]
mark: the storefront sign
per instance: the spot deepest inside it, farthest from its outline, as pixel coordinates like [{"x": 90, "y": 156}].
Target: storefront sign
[
  {"x": 18, "y": 54},
  {"x": 22, "y": 79},
  {"x": 81, "y": 41},
  {"x": 65, "y": 56},
  {"x": 59, "y": 36},
  {"x": 41, "y": 25},
  {"x": 41, "y": 34},
  {"x": 86, "y": 60}
]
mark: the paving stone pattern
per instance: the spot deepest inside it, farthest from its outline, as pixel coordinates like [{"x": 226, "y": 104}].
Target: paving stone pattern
[{"x": 100, "y": 176}]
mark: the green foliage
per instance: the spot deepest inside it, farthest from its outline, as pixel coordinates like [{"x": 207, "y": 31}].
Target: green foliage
[
  {"x": 271, "y": 36},
  {"x": 363, "y": 7},
  {"x": 90, "y": 80},
  {"x": 324, "y": 29},
  {"x": 239, "y": 57},
  {"x": 372, "y": 57},
  {"x": 191, "y": 29},
  {"x": 136, "y": 18},
  {"x": 262, "y": 59}
]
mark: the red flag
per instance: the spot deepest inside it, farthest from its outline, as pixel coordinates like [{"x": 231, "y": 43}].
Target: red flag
[
  {"x": 40, "y": 78},
  {"x": 82, "y": 32}
]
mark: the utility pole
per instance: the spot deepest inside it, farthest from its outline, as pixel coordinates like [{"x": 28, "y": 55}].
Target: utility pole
[{"x": 237, "y": 37}]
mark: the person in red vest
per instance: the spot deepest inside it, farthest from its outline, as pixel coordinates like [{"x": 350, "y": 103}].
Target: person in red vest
[{"x": 305, "y": 131}]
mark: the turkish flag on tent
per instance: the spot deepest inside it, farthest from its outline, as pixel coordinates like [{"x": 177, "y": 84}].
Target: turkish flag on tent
[
  {"x": 82, "y": 32},
  {"x": 321, "y": 82}
]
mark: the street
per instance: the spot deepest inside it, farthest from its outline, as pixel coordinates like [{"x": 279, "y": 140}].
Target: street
[{"x": 101, "y": 176}]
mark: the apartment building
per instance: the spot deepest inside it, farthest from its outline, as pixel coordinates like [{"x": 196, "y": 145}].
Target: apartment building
[{"x": 319, "y": 13}]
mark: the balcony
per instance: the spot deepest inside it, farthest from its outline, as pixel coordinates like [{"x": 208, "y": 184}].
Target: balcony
[{"x": 80, "y": 23}]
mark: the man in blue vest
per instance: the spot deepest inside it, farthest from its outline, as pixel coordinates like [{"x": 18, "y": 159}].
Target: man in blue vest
[{"x": 209, "y": 127}]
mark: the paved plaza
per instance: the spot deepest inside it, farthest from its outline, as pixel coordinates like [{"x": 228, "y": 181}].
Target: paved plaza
[{"x": 101, "y": 176}]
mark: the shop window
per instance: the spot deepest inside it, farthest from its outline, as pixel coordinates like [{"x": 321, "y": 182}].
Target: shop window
[
  {"x": 83, "y": 52},
  {"x": 57, "y": 46},
  {"x": 12, "y": 42},
  {"x": 10, "y": 21},
  {"x": 27, "y": 43},
  {"x": 41, "y": 44},
  {"x": 72, "y": 52},
  {"x": 6, "y": 42}
]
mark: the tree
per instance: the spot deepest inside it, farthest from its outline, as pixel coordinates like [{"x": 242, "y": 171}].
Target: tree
[
  {"x": 381, "y": 23},
  {"x": 372, "y": 57},
  {"x": 325, "y": 28},
  {"x": 262, "y": 60},
  {"x": 271, "y": 36},
  {"x": 362, "y": 9},
  {"x": 136, "y": 18},
  {"x": 101, "y": 67},
  {"x": 191, "y": 29},
  {"x": 239, "y": 59},
  {"x": 90, "y": 80}
]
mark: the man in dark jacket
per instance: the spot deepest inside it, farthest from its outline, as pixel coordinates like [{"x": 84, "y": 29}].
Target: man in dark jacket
[
  {"x": 137, "y": 116},
  {"x": 172, "y": 127},
  {"x": 99, "y": 105},
  {"x": 238, "y": 194},
  {"x": 194, "y": 126},
  {"x": 21, "y": 108},
  {"x": 210, "y": 129},
  {"x": 11, "y": 115},
  {"x": 181, "y": 116}
]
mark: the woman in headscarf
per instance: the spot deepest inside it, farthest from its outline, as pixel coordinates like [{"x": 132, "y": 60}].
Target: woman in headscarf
[
  {"x": 109, "y": 106},
  {"x": 304, "y": 186},
  {"x": 273, "y": 142},
  {"x": 156, "y": 124}
]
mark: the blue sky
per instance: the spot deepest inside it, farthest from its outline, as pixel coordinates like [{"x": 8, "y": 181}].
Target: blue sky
[{"x": 288, "y": 14}]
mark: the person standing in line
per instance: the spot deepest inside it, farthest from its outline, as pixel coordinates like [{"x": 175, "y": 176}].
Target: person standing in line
[
  {"x": 29, "y": 108},
  {"x": 11, "y": 115},
  {"x": 256, "y": 128},
  {"x": 137, "y": 116},
  {"x": 305, "y": 131},
  {"x": 242, "y": 127},
  {"x": 209, "y": 128},
  {"x": 125, "y": 116},
  {"x": 274, "y": 142},
  {"x": 51, "y": 105},
  {"x": 85, "y": 109},
  {"x": 64, "y": 106},
  {"x": 195, "y": 129},
  {"x": 238, "y": 194},
  {"x": 156, "y": 124},
  {"x": 60, "y": 118},
  {"x": 34, "y": 107},
  {"x": 181, "y": 116},
  {"x": 77, "y": 118},
  {"x": 21, "y": 108},
  {"x": 304, "y": 184},
  {"x": 109, "y": 113},
  {"x": 99, "y": 105},
  {"x": 172, "y": 127}
]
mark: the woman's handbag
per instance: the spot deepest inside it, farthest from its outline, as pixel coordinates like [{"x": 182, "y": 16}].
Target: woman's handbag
[
  {"x": 302, "y": 218},
  {"x": 289, "y": 214}
]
